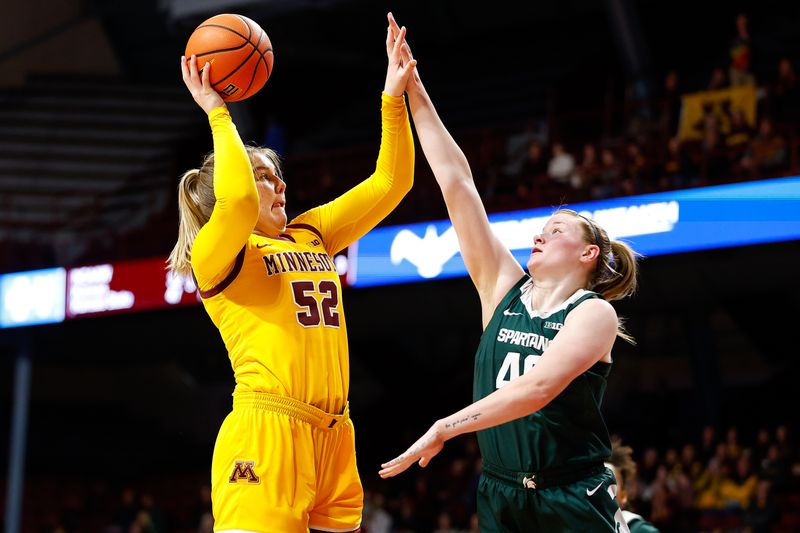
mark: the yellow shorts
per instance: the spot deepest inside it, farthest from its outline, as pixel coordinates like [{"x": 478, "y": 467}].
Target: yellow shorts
[{"x": 283, "y": 466}]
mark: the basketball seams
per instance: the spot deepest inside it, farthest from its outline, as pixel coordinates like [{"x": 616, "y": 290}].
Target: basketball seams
[
  {"x": 260, "y": 53},
  {"x": 255, "y": 48}
]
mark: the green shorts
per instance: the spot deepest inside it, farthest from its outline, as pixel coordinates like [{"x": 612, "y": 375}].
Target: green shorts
[{"x": 510, "y": 502}]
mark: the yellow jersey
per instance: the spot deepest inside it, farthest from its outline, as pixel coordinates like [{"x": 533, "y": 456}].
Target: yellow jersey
[{"x": 277, "y": 301}]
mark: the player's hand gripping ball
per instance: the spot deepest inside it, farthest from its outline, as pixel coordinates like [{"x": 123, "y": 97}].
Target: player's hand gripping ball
[{"x": 238, "y": 49}]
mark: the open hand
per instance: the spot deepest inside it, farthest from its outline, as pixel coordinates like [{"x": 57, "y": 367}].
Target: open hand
[
  {"x": 398, "y": 71},
  {"x": 421, "y": 451},
  {"x": 202, "y": 92}
]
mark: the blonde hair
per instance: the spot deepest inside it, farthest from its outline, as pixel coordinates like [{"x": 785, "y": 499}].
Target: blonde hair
[
  {"x": 615, "y": 276},
  {"x": 196, "y": 201}
]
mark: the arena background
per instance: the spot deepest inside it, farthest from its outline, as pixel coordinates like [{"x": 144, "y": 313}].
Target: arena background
[{"x": 128, "y": 405}]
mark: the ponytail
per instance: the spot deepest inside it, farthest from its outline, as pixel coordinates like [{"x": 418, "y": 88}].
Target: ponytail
[
  {"x": 195, "y": 203},
  {"x": 615, "y": 275},
  {"x": 616, "y": 272}
]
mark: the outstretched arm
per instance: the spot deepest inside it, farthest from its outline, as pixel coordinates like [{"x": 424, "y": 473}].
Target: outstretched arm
[
  {"x": 490, "y": 265},
  {"x": 588, "y": 334},
  {"x": 350, "y": 216},
  {"x": 236, "y": 198}
]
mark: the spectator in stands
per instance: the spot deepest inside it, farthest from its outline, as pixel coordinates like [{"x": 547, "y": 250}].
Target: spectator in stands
[
  {"x": 607, "y": 183},
  {"x": 518, "y": 147},
  {"x": 635, "y": 176},
  {"x": 767, "y": 151},
  {"x": 784, "y": 442},
  {"x": 155, "y": 515},
  {"x": 588, "y": 171},
  {"x": 761, "y": 446},
  {"x": 738, "y": 489},
  {"x": 662, "y": 512},
  {"x": 540, "y": 418},
  {"x": 128, "y": 509},
  {"x": 561, "y": 165},
  {"x": 376, "y": 519},
  {"x": 740, "y": 54},
  {"x": 737, "y": 142},
  {"x": 734, "y": 449},
  {"x": 681, "y": 168},
  {"x": 691, "y": 466},
  {"x": 784, "y": 97},
  {"x": 715, "y": 162},
  {"x": 288, "y": 443},
  {"x": 762, "y": 513},
  {"x": 444, "y": 524},
  {"x": 709, "y": 500},
  {"x": 718, "y": 80},
  {"x": 534, "y": 164},
  {"x": 775, "y": 468},
  {"x": 669, "y": 106},
  {"x": 708, "y": 443},
  {"x": 624, "y": 468},
  {"x": 533, "y": 173},
  {"x": 740, "y": 132}
]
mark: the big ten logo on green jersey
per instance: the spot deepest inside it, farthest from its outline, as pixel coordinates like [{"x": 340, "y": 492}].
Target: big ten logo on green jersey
[{"x": 513, "y": 366}]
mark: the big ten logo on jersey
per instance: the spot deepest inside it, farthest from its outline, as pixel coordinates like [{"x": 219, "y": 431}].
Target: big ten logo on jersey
[
  {"x": 315, "y": 242},
  {"x": 513, "y": 367},
  {"x": 553, "y": 325},
  {"x": 243, "y": 471}
]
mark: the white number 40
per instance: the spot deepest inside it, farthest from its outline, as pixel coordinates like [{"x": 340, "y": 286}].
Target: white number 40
[{"x": 510, "y": 369}]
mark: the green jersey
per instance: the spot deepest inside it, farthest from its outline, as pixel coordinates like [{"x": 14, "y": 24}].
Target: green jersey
[{"x": 569, "y": 430}]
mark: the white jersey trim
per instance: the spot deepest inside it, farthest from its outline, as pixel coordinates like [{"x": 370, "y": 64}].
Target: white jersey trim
[
  {"x": 526, "y": 297},
  {"x": 630, "y": 517}
]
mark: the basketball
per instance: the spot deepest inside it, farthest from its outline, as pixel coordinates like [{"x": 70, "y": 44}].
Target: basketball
[{"x": 238, "y": 49}]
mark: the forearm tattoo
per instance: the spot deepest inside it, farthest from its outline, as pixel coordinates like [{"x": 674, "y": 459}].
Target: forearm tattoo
[{"x": 468, "y": 418}]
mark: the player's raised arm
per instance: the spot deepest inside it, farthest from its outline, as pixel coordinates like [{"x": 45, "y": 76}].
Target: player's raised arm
[
  {"x": 491, "y": 266},
  {"x": 232, "y": 210},
  {"x": 353, "y": 214}
]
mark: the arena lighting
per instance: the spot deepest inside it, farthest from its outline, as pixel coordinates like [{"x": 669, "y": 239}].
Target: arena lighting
[{"x": 654, "y": 224}]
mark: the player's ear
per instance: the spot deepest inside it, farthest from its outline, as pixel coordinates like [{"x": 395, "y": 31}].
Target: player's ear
[{"x": 590, "y": 252}]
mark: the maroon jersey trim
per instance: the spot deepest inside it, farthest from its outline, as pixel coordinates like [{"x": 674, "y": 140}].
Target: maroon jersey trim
[
  {"x": 308, "y": 227},
  {"x": 222, "y": 285}
]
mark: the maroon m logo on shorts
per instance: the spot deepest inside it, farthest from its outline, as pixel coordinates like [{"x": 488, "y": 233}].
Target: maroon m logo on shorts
[{"x": 243, "y": 470}]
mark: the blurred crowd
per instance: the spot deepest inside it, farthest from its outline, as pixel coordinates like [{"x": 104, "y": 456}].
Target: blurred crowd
[
  {"x": 541, "y": 163},
  {"x": 722, "y": 481}
]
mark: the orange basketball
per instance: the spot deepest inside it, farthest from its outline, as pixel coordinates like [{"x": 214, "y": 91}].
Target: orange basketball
[{"x": 238, "y": 49}]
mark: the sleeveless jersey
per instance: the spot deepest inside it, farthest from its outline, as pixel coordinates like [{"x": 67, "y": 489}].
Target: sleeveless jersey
[{"x": 570, "y": 429}]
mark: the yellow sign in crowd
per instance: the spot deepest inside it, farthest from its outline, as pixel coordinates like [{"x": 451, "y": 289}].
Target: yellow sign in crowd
[{"x": 697, "y": 107}]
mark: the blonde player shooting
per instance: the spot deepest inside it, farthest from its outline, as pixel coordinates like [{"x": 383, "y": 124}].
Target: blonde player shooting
[{"x": 284, "y": 459}]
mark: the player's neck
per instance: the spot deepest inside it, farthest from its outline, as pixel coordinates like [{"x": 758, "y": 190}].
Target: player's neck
[{"x": 550, "y": 293}]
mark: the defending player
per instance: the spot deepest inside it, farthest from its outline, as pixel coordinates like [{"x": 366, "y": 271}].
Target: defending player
[
  {"x": 543, "y": 359},
  {"x": 284, "y": 459}
]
